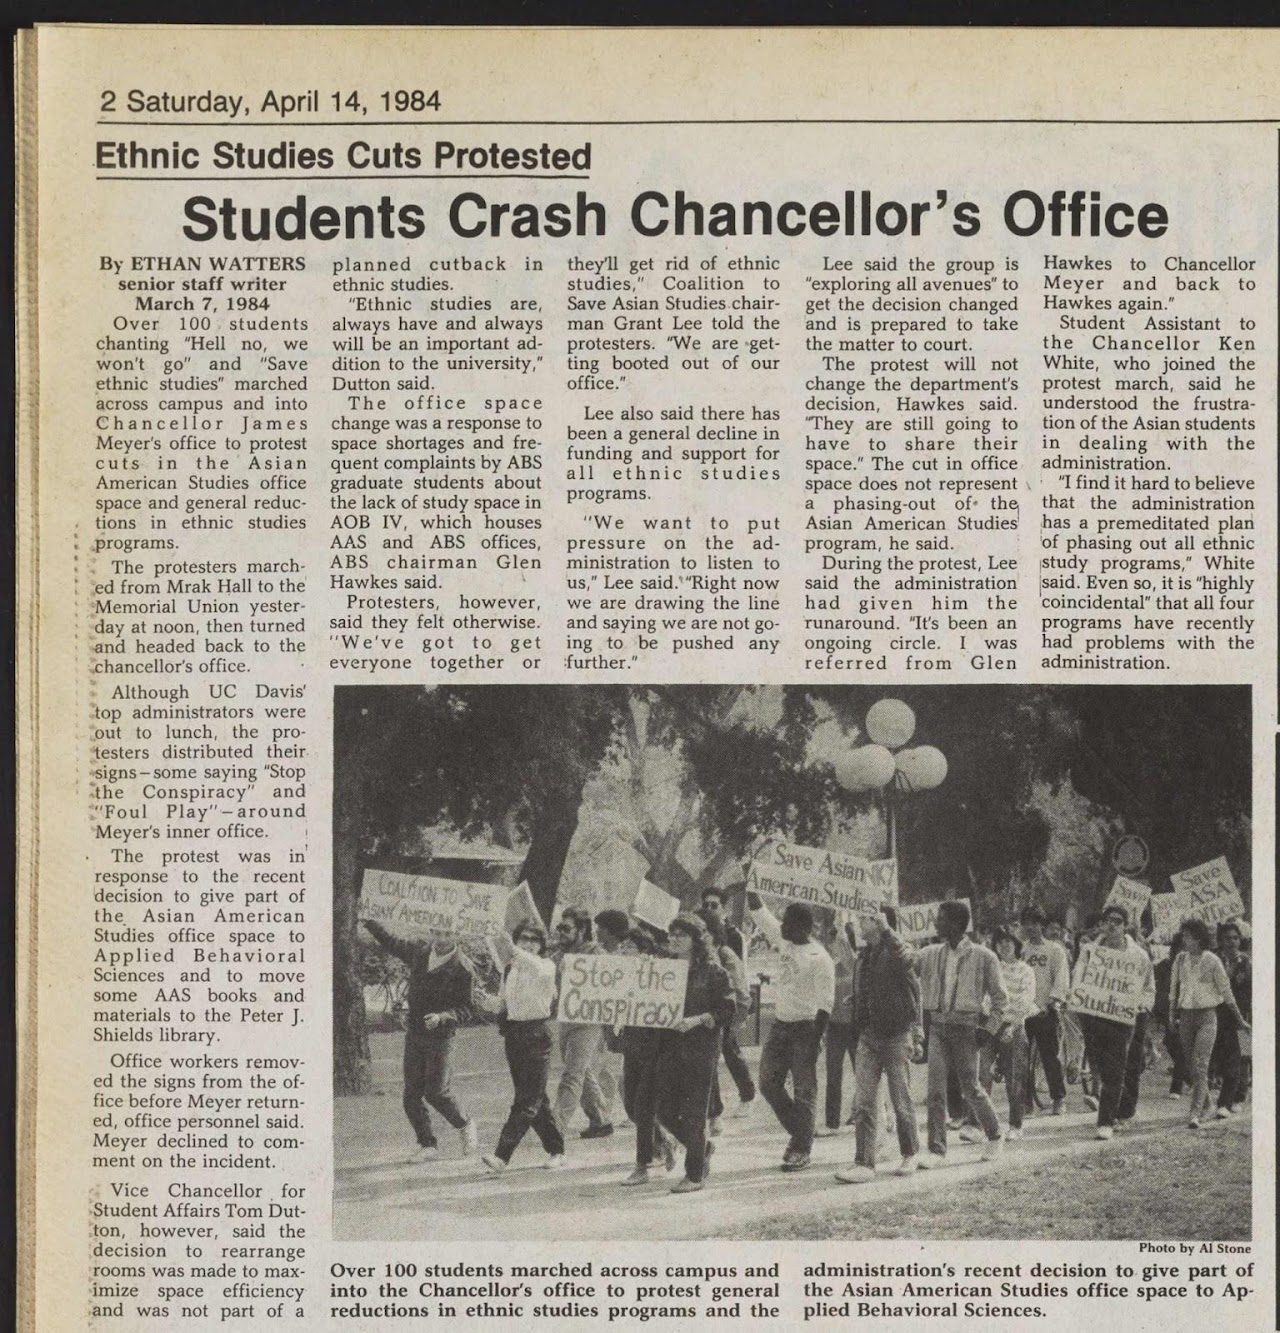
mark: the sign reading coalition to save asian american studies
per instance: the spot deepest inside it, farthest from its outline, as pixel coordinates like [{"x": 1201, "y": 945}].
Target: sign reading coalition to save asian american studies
[
  {"x": 1108, "y": 983},
  {"x": 847, "y": 884},
  {"x": 419, "y": 906},
  {"x": 1209, "y": 892},
  {"x": 919, "y": 921},
  {"x": 622, "y": 990}
]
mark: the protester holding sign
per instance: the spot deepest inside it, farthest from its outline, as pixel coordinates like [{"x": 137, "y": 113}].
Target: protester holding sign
[
  {"x": 689, "y": 1051},
  {"x": 1197, "y": 986},
  {"x": 585, "y": 1079},
  {"x": 804, "y": 993},
  {"x": 640, "y": 1053},
  {"x": 958, "y": 979},
  {"x": 438, "y": 999},
  {"x": 528, "y": 1001},
  {"x": 1135, "y": 1058},
  {"x": 1048, "y": 962},
  {"x": 888, "y": 1020},
  {"x": 1113, "y": 982}
]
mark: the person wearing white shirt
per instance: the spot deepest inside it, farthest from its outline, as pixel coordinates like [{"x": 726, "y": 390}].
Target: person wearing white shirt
[
  {"x": 528, "y": 1002},
  {"x": 804, "y": 993}
]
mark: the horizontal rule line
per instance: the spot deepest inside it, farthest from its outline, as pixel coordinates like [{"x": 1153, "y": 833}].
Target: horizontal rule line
[
  {"x": 798, "y": 120},
  {"x": 357, "y": 176}
]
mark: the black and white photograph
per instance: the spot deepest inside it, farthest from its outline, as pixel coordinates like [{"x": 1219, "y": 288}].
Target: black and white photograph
[{"x": 692, "y": 961}]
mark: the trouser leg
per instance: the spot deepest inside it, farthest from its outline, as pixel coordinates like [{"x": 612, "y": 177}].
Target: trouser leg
[
  {"x": 529, "y": 1058},
  {"x": 939, "y": 1074},
  {"x": 577, "y": 1049},
  {"x": 415, "y": 1082},
  {"x": 775, "y": 1064},
  {"x": 964, "y": 1050},
  {"x": 804, "y": 1083},
  {"x": 438, "y": 1090},
  {"x": 1108, "y": 1048},
  {"x": 1043, "y": 1028},
  {"x": 839, "y": 1046},
  {"x": 866, "y": 1102},
  {"x": 895, "y": 1060},
  {"x": 1231, "y": 1063},
  {"x": 737, "y": 1065},
  {"x": 1134, "y": 1058}
]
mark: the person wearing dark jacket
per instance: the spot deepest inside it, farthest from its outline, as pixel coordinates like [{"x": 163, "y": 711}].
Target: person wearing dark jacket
[
  {"x": 689, "y": 1052},
  {"x": 889, "y": 1022},
  {"x": 1227, "y": 1055},
  {"x": 438, "y": 1000},
  {"x": 713, "y": 906}
]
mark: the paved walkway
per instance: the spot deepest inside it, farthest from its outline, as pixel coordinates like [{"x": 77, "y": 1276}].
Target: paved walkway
[{"x": 380, "y": 1195}]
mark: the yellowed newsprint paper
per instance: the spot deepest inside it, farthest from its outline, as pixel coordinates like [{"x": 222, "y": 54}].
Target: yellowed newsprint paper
[{"x": 648, "y": 678}]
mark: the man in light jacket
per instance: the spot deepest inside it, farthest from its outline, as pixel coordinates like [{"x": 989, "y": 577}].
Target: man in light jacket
[
  {"x": 804, "y": 993},
  {"x": 956, "y": 977}
]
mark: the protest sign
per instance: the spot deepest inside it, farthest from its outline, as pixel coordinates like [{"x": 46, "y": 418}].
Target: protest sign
[
  {"x": 521, "y": 908},
  {"x": 1130, "y": 895},
  {"x": 419, "y": 906},
  {"x": 1108, "y": 982},
  {"x": 622, "y": 990},
  {"x": 837, "y": 880},
  {"x": 1167, "y": 913},
  {"x": 653, "y": 906},
  {"x": 1209, "y": 892},
  {"x": 918, "y": 922}
]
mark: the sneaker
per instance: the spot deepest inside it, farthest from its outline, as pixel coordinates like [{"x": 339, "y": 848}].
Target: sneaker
[
  {"x": 1123, "y": 1122},
  {"x": 743, "y": 1109},
  {"x": 993, "y": 1149},
  {"x": 1091, "y": 1103},
  {"x": 554, "y": 1162},
  {"x": 1175, "y": 1096},
  {"x": 1103, "y": 1132},
  {"x": 706, "y": 1161},
  {"x": 909, "y": 1166},
  {"x": 686, "y": 1186},
  {"x": 796, "y": 1161},
  {"x": 856, "y": 1174},
  {"x": 1059, "y": 1106},
  {"x": 1223, "y": 1113},
  {"x": 826, "y": 1131},
  {"x": 640, "y": 1176},
  {"x": 927, "y": 1161},
  {"x": 669, "y": 1154},
  {"x": 957, "y": 1123},
  {"x": 1194, "y": 1122},
  {"x": 1013, "y": 1134},
  {"x": 714, "y": 1127},
  {"x": 493, "y": 1163},
  {"x": 470, "y": 1138},
  {"x": 968, "y": 1134},
  {"x": 596, "y": 1132},
  {"x": 426, "y": 1153}
]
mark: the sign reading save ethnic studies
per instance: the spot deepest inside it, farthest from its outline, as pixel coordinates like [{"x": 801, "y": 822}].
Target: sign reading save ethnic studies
[
  {"x": 623, "y": 990},
  {"x": 418, "y": 906},
  {"x": 846, "y": 884},
  {"x": 1108, "y": 982}
]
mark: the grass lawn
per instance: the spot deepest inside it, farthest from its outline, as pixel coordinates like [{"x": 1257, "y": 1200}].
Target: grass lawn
[{"x": 1169, "y": 1185}]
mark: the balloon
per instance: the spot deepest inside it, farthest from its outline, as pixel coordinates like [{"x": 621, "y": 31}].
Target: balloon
[
  {"x": 891, "y": 723},
  {"x": 921, "y": 768},
  {"x": 863, "y": 769}
]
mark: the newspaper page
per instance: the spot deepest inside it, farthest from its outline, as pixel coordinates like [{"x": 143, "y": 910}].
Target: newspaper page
[{"x": 648, "y": 678}]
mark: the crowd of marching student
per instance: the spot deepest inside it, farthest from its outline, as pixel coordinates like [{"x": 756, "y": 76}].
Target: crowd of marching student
[{"x": 969, "y": 1010}]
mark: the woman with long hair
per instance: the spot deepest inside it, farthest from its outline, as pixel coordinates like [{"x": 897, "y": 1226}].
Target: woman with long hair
[
  {"x": 1197, "y": 986},
  {"x": 690, "y": 1051}
]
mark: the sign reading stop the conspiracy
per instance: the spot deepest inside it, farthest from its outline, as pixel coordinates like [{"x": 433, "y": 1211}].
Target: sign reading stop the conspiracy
[
  {"x": 1209, "y": 892},
  {"x": 1108, "y": 983},
  {"x": 846, "y": 884},
  {"x": 919, "y": 921},
  {"x": 419, "y": 906},
  {"x": 622, "y": 990}
]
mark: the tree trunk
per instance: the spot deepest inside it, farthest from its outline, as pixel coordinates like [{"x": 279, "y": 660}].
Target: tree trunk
[{"x": 553, "y": 831}]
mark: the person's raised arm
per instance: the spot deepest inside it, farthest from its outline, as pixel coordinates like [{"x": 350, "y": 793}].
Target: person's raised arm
[
  {"x": 397, "y": 945},
  {"x": 765, "y": 919}
]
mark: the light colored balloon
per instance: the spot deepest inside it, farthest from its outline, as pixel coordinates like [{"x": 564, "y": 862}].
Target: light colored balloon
[
  {"x": 922, "y": 767},
  {"x": 890, "y": 722},
  {"x": 864, "y": 769}
]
